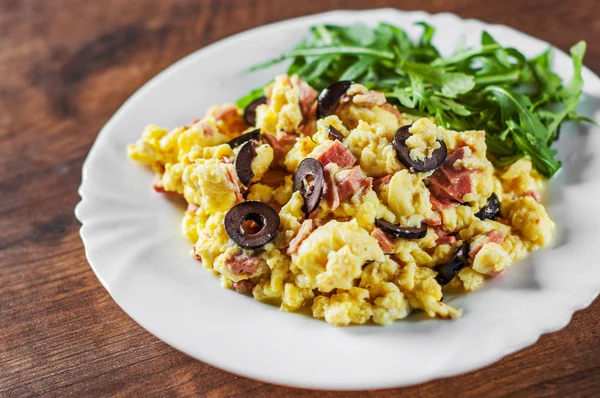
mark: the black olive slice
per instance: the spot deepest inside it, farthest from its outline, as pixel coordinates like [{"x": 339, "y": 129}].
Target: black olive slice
[
  {"x": 334, "y": 134},
  {"x": 309, "y": 180},
  {"x": 490, "y": 209},
  {"x": 243, "y": 162},
  {"x": 250, "y": 111},
  {"x": 242, "y": 139},
  {"x": 401, "y": 232},
  {"x": 262, "y": 214},
  {"x": 403, "y": 153},
  {"x": 330, "y": 97},
  {"x": 447, "y": 271}
]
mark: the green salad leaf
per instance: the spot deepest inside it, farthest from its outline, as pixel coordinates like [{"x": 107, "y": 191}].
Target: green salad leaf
[{"x": 519, "y": 102}]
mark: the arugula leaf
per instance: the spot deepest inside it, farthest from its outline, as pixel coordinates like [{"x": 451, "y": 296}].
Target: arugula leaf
[
  {"x": 548, "y": 82},
  {"x": 541, "y": 156},
  {"x": 487, "y": 39},
  {"x": 577, "y": 117},
  {"x": 315, "y": 68},
  {"x": 403, "y": 97},
  {"x": 571, "y": 93},
  {"x": 515, "y": 103},
  {"x": 358, "y": 68},
  {"x": 360, "y": 35},
  {"x": 401, "y": 39},
  {"x": 324, "y": 34},
  {"x": 451, "y": 83}
]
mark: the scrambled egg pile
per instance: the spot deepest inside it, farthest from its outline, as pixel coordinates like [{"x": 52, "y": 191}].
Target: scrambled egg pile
[{"x": 335, "y": 260}]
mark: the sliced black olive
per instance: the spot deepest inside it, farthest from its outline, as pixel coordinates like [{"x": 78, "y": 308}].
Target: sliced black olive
[
  {"x": 329, "y": 98},
  {"x": 447, "y": 271},
  {"x": 401, "y": 232},
  {"x": 250, "y": 111},
  {"x": 262, "y": 214},
  {"x": 242, "y": 139},
  {"x": 403, "y": 153},
  {"x": 490, "y": 209},
  {"x": 334, "y": 134},
  {"x": 243, "y": 162},
  {"x": 309, "y": 180}
]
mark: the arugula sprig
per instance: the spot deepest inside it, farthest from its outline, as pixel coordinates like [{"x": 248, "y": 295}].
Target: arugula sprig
[{"x": 519, "y": 102}]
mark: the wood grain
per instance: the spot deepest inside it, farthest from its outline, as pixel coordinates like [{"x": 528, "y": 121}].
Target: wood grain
[{"x": 66, "y": 66}]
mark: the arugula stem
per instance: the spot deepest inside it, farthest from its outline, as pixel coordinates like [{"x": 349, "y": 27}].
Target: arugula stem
[
  {"x": 324, "y": 33},
  {"x": 341, "y": 50},
  {"x": 509, "y": 78},
  {"x": 463, "y": 56}
]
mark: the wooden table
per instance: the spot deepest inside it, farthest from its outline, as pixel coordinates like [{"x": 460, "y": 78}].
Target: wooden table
[{"x": 65, "y": 67}]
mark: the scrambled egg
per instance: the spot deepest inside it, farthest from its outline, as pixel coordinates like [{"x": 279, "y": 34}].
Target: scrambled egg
[{"x": 335, "y": 261}]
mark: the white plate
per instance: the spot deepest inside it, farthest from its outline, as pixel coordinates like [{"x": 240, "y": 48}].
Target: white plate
[{"x": 134, "y": 244}]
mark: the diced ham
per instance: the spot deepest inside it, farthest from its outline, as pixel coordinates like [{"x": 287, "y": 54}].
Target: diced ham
[
  {"x": 157, "y": 184},
  {"x": 352, "y": 183},
  {"x": 474, "y": 249},
  {"x": 535, "y": 195},
  {"x": 446, "y": 240},
  {"x": 275, "y": 205},
  {"x": 243, "y": 287},
  {"x": 379, "y": 182},
  {"x": 493, "y": 236},
  {"x": 337, "y": 153},
  {"x": 439, "y": 202},
  {"x": 455, "y": 190},
  {"x": 435, "y": 221},
  {"x": 280, "y": 146},
  {"x": 384, "y": 242},
  {"x": 235, "y": 183},
  {"x": 308, "y": 95},
  {"x": 454, "y": 174},
  {"x": 366, "y": 184},
  {"x": 192, "y": 207},
  {"x": 439, "y": 230},
  {"x": 288, "y": 140},
  {"x": 310, "y": 127},
  {"x": 226, "y": 111},
  {"x": 503, "y": 221},
  {"x": 242, "y": 264},
  {"x": 196, "y": 255},
  {"x": 273, "y": 178},
  {"x": 330, "y": 192},
  {"x": 307, "y": 227},
  {"x": 207, "y": 130},
  {"x": 449, "y": 182}
]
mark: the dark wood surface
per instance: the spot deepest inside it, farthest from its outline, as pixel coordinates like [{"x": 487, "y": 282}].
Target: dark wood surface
[{"x": 65, "y": 67}]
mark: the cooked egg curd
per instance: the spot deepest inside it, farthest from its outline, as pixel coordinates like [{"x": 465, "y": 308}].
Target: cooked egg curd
[{"x": 382, "y": 239}]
